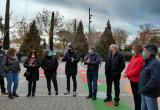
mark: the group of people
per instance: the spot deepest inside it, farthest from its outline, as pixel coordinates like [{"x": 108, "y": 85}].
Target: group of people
[{"x": 142, "y": 71}]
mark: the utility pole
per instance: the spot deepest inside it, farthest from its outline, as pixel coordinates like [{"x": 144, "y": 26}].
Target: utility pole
[{"x": 90, "y": 16}]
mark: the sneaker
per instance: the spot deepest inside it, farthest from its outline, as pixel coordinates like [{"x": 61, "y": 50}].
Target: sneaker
[
  {"x": 88, "y": 97},
  {"x": 108, "y": 100},
  {"x": 74, "y": 94},
  {"x": 116, "y": 103},
  {"x": 94, "y": 98},
  {"x": 10, "y": 96},
  {"x": 15, "y": 94},
  {"x": 67, "y": 93}
]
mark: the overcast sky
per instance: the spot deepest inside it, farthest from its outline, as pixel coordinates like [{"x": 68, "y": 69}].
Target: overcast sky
[{"x": 128, "y": 14}]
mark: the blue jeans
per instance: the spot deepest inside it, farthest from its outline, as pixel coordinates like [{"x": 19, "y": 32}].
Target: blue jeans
[
  {"x": 12, "y": 77},
  {"x": 92, "y": 78},
  {"x": 149, "y": 103}
]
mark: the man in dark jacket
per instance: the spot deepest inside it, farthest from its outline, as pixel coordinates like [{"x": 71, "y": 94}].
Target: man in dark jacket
[
  {"x": 150, "y": 79},
  {"x": 2, "y": 72},
  {"x": 71, "y": 58},
  {"x": 115, "y": 64},
  {"x": 50, "y": 65},
  {"x": 92, "y": 60}
]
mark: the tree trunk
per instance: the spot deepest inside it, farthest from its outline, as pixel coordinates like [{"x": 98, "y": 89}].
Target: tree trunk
[{"x": 6, "y": 42}]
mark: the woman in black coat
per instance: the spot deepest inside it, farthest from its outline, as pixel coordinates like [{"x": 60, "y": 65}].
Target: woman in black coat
[
  {"x": 32, "y": 64},
  {"x": 50, "y": 65}
]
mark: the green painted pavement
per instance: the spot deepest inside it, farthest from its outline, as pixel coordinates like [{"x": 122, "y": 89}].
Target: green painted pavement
[{"x": 100, "y": 105}]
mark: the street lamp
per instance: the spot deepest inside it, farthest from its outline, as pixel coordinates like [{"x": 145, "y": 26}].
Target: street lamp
[{"x": 90, "y": 16}]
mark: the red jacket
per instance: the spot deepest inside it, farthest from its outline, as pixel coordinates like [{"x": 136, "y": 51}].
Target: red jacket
[{"x": 135, "y": 67}]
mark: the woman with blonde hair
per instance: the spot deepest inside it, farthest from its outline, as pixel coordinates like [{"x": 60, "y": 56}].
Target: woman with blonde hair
[{"x": 11, "y": 66}]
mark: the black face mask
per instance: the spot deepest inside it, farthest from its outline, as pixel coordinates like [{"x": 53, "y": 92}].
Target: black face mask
[{"x": 69, "y": 51}]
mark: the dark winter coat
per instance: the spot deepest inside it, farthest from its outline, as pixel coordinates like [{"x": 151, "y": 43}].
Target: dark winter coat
[
  {"x": 34, "y": 76},
  {"x": 71, "y": 67},
  {"x": 50, "y": 65},
  {"x": 114, "y": 65},
  {"x": 2, "y": 55},
  {"x": 93, "y": 66},
  {"x": 10, "y": 64},
  {"x": 150, "y": 79}
]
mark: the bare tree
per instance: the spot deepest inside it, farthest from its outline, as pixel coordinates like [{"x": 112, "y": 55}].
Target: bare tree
[
  {"x": 145, "y": 30},
  {"x": 93, "y": 37},
  {"x": 146, "y": 27},
  {"x": 43, "y": 22},
  {"x": 22, "y": 27},
  {"x": 120, "y": 35},
  {"x": 65, "y": 37}
]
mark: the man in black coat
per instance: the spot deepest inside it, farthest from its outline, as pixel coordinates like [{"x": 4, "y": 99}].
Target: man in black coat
[
  {"x": 2, "y": 73},
  {"x": 115, "y": 64},
  {"x": 71, "y": 58},
  {"x": 149, "y": 85}
]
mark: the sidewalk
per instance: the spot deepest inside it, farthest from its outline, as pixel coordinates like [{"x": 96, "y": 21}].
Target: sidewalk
[{"x": 44, "y": 102}]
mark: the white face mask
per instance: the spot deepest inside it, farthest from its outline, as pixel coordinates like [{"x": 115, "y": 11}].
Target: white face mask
[{"x": 90, "y": 51}]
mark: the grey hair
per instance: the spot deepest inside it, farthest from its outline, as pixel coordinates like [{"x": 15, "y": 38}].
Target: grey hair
[{"x": 114, "y": 46}]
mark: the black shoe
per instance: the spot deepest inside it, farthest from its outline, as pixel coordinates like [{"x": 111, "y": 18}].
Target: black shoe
[
  {"x": 88, "y": 97},
  {"x": 10, "y": 96},
  {"x": 49, "y": 93},
  {"x": 56, "y": 93},
  {"x": 28, "y": 95},
  {"x": 33, "y": 94},
  {"x": 4, "y": 93},
  {"x": 108, "y": 100},
  {"x": 67, "y": 93},
  {"x": 15, "y": 94},
  {"x": 94, "y": 98},
  {"x": 116, "y": 103}
]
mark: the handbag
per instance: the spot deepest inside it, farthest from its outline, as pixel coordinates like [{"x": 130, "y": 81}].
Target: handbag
[{"x": 27, "y": 74}]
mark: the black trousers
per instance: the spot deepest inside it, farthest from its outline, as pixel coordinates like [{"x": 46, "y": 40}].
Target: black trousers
[
  {"x": 51, "y": 77},
  {"x": 31, "y": 87},
  {"x": 2, "y": 84},
  {"x": 116, "y": 81},
  {"x": 74, "y": 82},
  {"x": 136, "y": 95}
]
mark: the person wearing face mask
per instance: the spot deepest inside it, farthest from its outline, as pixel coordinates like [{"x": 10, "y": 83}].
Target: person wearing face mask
[
  {"x": 92, "y": 60},
  {"x": 32, "y": 64},
  {"x": 149, "y": 85},
  {"x": 2, "y": 73},
  {"x": 50, "y": 65},
  {"x": 115, "y": 64},
  {"x": 132, "y": 72},
  {"x": 71, "y": 58},
  {"x": 11, "y": 66}
]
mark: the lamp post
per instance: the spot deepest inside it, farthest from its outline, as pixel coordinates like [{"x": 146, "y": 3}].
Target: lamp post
[{"x": 90, "y": 16}]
